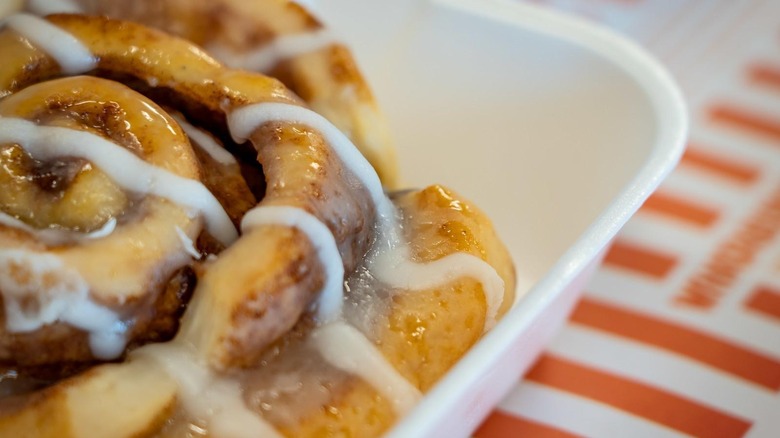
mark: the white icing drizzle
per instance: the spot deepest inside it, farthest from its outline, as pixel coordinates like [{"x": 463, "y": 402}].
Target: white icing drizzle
[
  {"x": 103, "y": 231},
  {"x": 346, "y": 348},
  {"x": 206, "y": 143},
  {"x": 55, "y": 236},
  {"x": 46, "y": 7},
  {"x": 245, "y": 120},
  {"x": 340, "y": 344},
  {"x": 395, "y": 269},
  {"x": 282, "y": 48},
  {"x": 38, "y": 289},
  {"x": 207, "y": 396},
  {"x": 187, "y": 244},
  {"x": 72, "y": 56},
  {"x": 125, "y": 169},
  {"x": 331, "y": 296}
]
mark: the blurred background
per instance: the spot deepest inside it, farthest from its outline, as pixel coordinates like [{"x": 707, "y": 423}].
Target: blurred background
[{"x": 678, "y": 334}]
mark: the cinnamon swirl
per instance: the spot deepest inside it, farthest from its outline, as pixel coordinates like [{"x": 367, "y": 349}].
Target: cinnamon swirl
[{"x": 276, "y": 37}]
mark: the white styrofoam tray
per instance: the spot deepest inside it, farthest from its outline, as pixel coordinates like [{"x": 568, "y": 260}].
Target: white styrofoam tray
[{"x": 557, "y": 128}]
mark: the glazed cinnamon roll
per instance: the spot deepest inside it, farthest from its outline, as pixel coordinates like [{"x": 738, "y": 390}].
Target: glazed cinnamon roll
[
  {"x": 276, "y": 37},
  {"x": 189, "y": 249}
]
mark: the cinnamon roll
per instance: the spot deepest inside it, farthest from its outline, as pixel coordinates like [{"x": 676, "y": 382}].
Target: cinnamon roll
[
  {"x": 276, "y": 37},
  {"x": 189, "y": 249}
]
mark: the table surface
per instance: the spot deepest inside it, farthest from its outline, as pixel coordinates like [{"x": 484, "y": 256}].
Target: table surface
[{"x": 678, "y": 334}]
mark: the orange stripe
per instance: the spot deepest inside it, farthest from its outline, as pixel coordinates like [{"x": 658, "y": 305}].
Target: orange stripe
[
  {"x": 719, "y": 166},
  {"x": 680, "y": 209},
  {"x": 765, "y": 300},
  {"x": 501, "y": 425},
  {"x": 765, "y": 75},
  {"x": 637, "y": 398},
  {"x": 639, "y": 260},
  {"x": 746, "y": 120},
  {"x": 685, "y": 341}
]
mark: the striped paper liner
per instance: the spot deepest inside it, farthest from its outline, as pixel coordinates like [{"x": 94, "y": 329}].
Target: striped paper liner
[{"x": 678, "y": 333}]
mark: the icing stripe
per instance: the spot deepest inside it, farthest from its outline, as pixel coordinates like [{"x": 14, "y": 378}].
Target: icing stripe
[
  {"x": 346, "y": 348},
  {"x": 187, "y": 244},
  {"x": 123, "y": 167},
  {"x": 72, "y": 56},
  {"x": 206, "y": 143},
  {"x": 54, "y": 236},
  {"x": 58, "y": 294},
  {"x": 282, "y": 48},
  {"x": 207, "y": 396},
  {"x": 245, "y": 120},
  {"x": 330, "y": 299},
  {"x": 395, "y": 269},
  {"x": 46, "y": 7}
]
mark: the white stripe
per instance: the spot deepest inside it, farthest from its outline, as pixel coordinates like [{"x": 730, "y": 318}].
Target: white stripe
[
  {"x": 667, "y": 230},
  {"x": 634, "y": 234},
  {"x": 282, "y": 48},
  {"x": 748, "y": 148},
  {"x": 187, "y": 244},
  {"x": 753, "y": 98},
  {"x": 701, "y": 191},
  {"x": 72, "y": 56},
  {"x": 579, "y": 415},
  {"x": 206, "y": 142},
  {"x": 661, "y": 369},
  {"x": 737, "y": 326}
]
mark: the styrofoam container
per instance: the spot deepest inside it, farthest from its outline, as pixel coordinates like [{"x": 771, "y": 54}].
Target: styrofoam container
[{"x": 557, "y": 128}]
